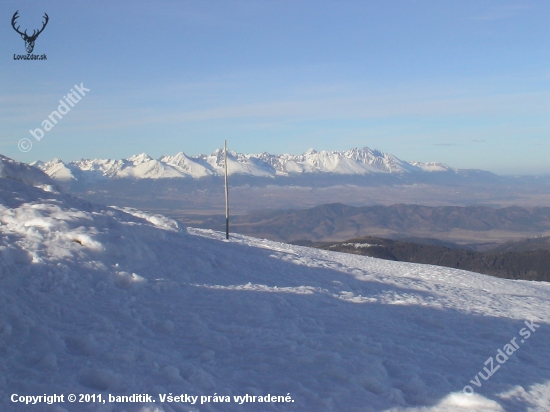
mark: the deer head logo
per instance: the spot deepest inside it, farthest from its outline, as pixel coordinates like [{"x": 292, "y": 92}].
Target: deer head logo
[{"x": 29, "y": 40}]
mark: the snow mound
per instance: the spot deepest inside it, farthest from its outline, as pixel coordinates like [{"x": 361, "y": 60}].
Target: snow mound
[
  {"x": 160, "y": 221},
  {"x": 457, "y": 402}
]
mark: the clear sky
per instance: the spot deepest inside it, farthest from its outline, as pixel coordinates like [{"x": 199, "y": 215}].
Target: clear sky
[{"x": 466, "y": 83}]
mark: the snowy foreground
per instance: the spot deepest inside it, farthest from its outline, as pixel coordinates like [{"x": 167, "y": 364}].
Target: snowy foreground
[{"x": 100, "y": 301}]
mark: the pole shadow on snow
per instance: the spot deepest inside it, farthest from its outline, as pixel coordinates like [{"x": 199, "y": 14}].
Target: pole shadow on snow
[{"x": 376, "y": 354}]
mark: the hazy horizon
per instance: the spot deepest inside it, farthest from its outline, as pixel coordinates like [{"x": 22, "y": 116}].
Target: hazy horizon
[{"x": 466, "y": 84}]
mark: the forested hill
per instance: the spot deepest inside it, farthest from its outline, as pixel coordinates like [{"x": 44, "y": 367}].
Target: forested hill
[{"x": 531, "y": 264}]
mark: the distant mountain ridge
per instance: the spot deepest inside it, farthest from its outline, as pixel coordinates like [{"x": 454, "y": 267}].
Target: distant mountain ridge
[
  {"x": 267, "y": 181},
  {"x": 351, "y": 162},
  {"x": 339, "y": 222}
]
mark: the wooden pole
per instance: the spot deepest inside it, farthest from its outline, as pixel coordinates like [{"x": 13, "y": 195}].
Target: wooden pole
[{"x": 226, "y": 194}]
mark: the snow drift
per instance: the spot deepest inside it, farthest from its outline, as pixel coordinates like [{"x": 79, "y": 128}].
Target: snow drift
[{"x": 98, "y": 300}]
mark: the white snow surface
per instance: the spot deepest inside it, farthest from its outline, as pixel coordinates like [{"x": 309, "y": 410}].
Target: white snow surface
[
  {"x": 100, "y": 300},
  {"x": 351, "y": 162},
  {"x": 21, "y": 172}
]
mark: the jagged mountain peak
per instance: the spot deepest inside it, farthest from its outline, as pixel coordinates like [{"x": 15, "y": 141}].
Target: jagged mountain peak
[{"x": 140, "y": 158}]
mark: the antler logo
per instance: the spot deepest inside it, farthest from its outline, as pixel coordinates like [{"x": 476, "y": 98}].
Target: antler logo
[{"x": 29, "y": 40}]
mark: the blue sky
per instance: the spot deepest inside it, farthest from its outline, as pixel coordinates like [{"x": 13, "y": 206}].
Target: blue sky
[{"x": 464, "y": 82}]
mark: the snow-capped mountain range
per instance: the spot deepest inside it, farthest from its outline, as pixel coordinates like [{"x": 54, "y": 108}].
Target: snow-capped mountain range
[{"x": 351, "y": 162}]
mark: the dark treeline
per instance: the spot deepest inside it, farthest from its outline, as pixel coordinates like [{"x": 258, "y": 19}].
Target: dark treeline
[{"x": 527, "y": 265}]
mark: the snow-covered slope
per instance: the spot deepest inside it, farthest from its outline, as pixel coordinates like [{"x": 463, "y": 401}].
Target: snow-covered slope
[
  {"x": 10, "y": 169},
  {"x": 103, "y": 301},
  {"x": 352, "y": 162}
]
